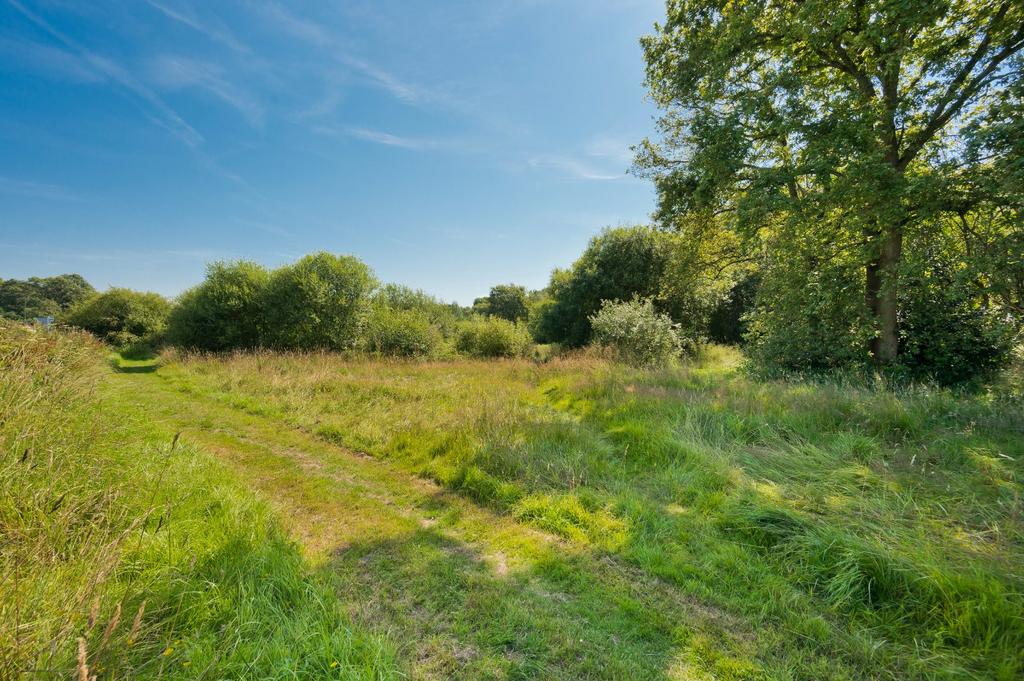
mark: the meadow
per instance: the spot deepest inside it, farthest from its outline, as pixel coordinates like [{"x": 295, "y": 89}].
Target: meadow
[{"x": 323, "y": 515}]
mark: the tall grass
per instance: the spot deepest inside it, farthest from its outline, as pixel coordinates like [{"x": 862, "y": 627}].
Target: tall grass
[
  {"x": 883, "y": 528},
  {"x": 126, "y": 552}
]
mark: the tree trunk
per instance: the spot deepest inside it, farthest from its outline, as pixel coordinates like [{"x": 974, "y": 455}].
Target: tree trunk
[{"x": 881, "y": 291}]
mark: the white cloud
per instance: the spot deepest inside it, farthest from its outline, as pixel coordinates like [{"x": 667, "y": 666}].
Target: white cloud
[
  {"x": 156, "y": 110},
  {"x": 49, "y": 60},
  {"x": 176, "y": 72},
  {"x": 387, "y": 139},
  {"x": 218, "y": 34},
  {"x": 391, "y": 140},
  {"x": 612, "y": 148},
  {"x": 318, "y": 36},
  {"x": 573, "y": 167}
]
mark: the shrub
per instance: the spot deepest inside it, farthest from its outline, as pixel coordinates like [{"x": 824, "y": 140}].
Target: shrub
[
  {"x": 320, "y": 302},
  {"x": 810, "y": 316},
  {"x": 401, "y": 333},
  {"x": 444, "y": 316},
  {"x": 946, "y": 334},
  {"x": 122, "y": 317},
  {"x": 507, "y": 301},
  {"x": 225, "y": 312},
  {"x": 617, "y": 264},
  {"x": 636, "y": 333},
  {"x": 493, "y": 337}
]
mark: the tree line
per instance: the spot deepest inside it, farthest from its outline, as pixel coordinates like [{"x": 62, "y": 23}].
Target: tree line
[{"x": 637, "y": 290}]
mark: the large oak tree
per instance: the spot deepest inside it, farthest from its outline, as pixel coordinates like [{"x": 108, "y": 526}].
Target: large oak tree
[{"x": 842, "y": 124}]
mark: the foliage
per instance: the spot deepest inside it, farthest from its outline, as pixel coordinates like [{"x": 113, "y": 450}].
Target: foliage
[
  {"x": 636, "y": 333},
  {"x": 122, "y": 317},
  {"x": 65, "y": 289},
  {"x": 319, "y": 302},
  {"x": 617, "y": 264},
  {"x": 493, "y": 337},
  {"x": 444, "y": 316},
  {"x": 507, "y": 301},
  {"x": 401, "y": 333},
  {"x": 224, "y": 312},
  {"x": 730, "y": 318},
  {"x": 793, "y": 131},
  {"x": 949, "y": 335},
  {"x": 42, "y": 296},
  {"x": 810, "y": 316}
]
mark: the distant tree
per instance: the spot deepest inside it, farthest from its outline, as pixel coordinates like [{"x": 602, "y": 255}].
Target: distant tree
[
  {"x": 443, "y": 316},
  {"x": 508, "y": 301},
  {"x": 827, "y": 136},
  {"x": 482, "y": 305},
  {"x": 24, "y": 300},
  {"x": 320, "y": 302},
  {"x": 65, "y": 289},
  {"x": 122, "y": 317},
  {"x": 618, "y": 264},
  {"x": 224, "y": 312}
]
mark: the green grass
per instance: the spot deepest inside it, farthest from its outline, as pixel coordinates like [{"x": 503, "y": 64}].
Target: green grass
[
  {"x": 106, "y": 517},
  {"x": 565, "y": 519}
]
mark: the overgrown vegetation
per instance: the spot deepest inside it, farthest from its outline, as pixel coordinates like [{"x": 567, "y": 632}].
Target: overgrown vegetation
[
  {"x": 493, "y": 337},
  {"x": 128, "y": 552},
  {"x": 864, "y": 160},
  {"x": 274, "y": 496},
  {"x": 636, "y": 334},
  {"x": 850, "y": 530},
  {"x": 122, "y": 317}
]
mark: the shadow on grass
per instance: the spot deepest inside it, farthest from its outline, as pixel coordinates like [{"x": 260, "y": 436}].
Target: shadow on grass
[
  {"x": 134, "y": 367},
  {"x": 458, "y": 613}
]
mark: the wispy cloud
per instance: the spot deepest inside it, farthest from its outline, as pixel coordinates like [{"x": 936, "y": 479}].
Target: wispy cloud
[
  {"x": 176, "y": 72},
  {"x": 149, "y": 102},
  {"x": 49, "y": 60},
  {"x": 152, "y": 256},
  {"x": 314, "y": 34},
  {"x": 187, "y": 17},
  {"x": 391, "y": 140},
  {"x": 609, "y": 147},
  {"x": 572, "y": 167},
  {"x": 155, "y": 108},
  {"x": 385, "y": 138},
  {"x": 37, "y": 190}
]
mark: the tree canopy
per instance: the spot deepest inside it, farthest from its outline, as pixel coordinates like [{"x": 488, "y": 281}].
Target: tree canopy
[
  {"x": 122, "y": 317},
  {"x": 507, "y": 301},
  {"x": 836, "y": 142},
  {"x": 319, "y": 302},
  {"x": 42, "y": 296}
]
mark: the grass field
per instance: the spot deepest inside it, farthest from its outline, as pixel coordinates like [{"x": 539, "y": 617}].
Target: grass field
[{"x": 312, "y": 516}]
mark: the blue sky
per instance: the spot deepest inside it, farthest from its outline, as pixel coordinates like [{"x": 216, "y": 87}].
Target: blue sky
[{"x": 450, "y": 144}]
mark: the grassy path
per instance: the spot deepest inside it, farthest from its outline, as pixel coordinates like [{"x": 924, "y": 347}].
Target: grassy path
[{"x": 461, "y": 590}]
